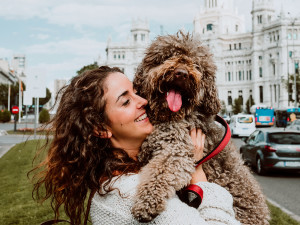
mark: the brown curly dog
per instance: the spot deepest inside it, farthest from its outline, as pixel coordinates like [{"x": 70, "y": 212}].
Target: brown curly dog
[{"x": 177, "y": 77}]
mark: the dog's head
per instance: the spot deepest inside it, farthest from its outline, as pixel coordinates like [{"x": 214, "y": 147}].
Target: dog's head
[{"x": 177, "y": 76}]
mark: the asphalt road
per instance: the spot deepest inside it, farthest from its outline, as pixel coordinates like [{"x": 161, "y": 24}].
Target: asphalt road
[{"x": 282, "y": 188}]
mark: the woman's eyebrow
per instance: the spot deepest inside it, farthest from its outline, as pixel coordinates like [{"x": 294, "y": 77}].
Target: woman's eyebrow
[{"x": 121, "y": 95}]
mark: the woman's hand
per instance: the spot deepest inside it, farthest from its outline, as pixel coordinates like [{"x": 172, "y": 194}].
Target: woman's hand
[{"x": 198, "y": 139}]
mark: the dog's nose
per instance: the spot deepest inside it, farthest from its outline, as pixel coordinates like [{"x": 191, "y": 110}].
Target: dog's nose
[{"x": 181, "y": 72}]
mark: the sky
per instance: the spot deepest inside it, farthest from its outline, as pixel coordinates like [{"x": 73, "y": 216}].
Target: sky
[{"x": 59, "y": 37}]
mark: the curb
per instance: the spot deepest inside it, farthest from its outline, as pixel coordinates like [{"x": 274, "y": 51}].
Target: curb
[
  {"x": 4, "y": 149},
  {"x": 291, "y": 214}
]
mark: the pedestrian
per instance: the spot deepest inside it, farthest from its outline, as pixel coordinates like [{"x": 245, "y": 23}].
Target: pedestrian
[{"x": 99, "y": 128}]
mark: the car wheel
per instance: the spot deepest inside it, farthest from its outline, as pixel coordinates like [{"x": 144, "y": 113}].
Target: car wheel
[{"x": 260, "y": 170}]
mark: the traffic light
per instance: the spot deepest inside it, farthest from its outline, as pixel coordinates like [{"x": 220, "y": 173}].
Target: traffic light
[{"x": 296, "y": 67}]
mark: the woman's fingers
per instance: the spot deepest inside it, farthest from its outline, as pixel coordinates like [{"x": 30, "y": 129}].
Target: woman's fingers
[{"x": 198, "y": 139}]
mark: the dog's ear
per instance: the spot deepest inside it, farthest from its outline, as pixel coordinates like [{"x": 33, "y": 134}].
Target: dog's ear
[
  {"x": 138, "y": 80},
  {"x": 210, "y": 103}
]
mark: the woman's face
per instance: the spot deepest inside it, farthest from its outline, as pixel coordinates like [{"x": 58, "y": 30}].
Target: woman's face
[{"x": 128, "y": 121}]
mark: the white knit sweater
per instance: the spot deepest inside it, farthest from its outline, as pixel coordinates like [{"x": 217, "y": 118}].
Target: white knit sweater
[{"x": 112, "y": 209}]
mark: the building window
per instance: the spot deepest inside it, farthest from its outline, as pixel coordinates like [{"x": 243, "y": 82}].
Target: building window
[
  {"x": 234, "y": 46},
  {"x": 123, "y": 56},
  {"x": 260, "y": 72},
  {"x": 229, "y": 46},
  {"x": 229, "y": 98},
  {"x": 209, "y": 27},
  {"x": 289, "y": 36},
  {"x": 261, "y": 94},
  {"x": 236, "y": 28},
  {"x": 260, "y": 57},
  {"x": 143, "y": 37},
  {"x": 240, "y": 45},
  {"x": 229, "y": 76},
  {"x": 295, "y": 35},
  {"x": 240, "y": 75},
  {"x": 290, "y": 54},
  {"x": 135, "y": 37},
  {"x": 119, "y": 56},
  {"x": 250, "y": 75},
  {"x": 274, "y": 69},
  {"x": 115, "y": 56},
  {"x": 247, "y": 75}
]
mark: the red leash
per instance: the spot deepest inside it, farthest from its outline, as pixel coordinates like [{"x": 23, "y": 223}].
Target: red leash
[
  {"x": 221, "y": 145},
  {"x": 193, "y": 194}
]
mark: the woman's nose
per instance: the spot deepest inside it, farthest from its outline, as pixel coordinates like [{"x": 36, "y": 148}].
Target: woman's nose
[{"x": 142, "y": 102}]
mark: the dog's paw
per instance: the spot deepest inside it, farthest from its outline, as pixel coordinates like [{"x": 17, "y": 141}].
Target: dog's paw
[{"x": 147, "y": 211}]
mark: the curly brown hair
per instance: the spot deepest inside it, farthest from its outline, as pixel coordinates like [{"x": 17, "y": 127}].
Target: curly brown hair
[{"x": 78, "y": 161}]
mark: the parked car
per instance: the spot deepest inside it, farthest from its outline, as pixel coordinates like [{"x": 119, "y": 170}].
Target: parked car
[
  {"x": 268, "y": 150},
  {"x": 295, "y": 125},
  {"x": 242, "y": 125},
  {"x": 226, "y": 118}
]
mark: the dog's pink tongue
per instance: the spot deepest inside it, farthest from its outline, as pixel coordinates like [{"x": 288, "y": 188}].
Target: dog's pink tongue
[{"x": 174, "y": 100}]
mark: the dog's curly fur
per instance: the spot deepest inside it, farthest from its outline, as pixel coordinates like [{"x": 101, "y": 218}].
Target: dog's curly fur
[{"x": 182, "y": 63}]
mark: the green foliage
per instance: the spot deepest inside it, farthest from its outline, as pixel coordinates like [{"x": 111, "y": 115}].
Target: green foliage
[
  {"x": 289, "y": 86},
  {"x": 88, "y": 67},
  {"x": 5, "y": 116},
  {"x": 44, "y": 116},
  {"x": 43, "y": 101},
  {"x": 17, "y": 206},
  {"x": 280, "y": 218},
  {"x": 237, "y": 106},
  {"x": 14, "y": 94},
  {"x": 250, "y": 102}
]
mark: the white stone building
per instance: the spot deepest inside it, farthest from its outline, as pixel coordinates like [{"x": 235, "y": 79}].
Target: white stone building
[
  {"x": 251, "y": 63},
  {"x": 127, "y": 56}
]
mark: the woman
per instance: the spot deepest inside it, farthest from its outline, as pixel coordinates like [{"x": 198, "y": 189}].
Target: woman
[{"x": 99, "y": 127}]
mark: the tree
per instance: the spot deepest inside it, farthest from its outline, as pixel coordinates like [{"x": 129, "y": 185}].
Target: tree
[
  {"x": 14, "y": 94},
  {"x": 88, "y": 67},
  {"x": 289, "y": 85},
  {"x": 43, "y": 101},
  {"x": 250, "y": 102},
  {"x": 237, "y": 106},
  {"x": 44, "y": 116}
]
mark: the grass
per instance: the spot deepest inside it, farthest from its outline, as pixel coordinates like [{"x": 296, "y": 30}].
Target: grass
[
  {"x": 18, "y": 207},
  {"x": 27, "y": 132}
]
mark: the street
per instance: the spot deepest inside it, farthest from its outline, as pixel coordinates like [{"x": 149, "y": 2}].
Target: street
[{"x": 280, "y": 187}]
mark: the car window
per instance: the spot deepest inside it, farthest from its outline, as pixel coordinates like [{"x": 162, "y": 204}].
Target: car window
[
  {"x": 252, "y": 137},
  {"x": 284, "y": 138},
  {"x": 260, "y": 137},
  {"x": 245, "y": 119},
  {"x": 297, "y": 122}
]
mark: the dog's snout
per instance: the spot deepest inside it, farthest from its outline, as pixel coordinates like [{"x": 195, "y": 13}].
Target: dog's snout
[{"x": 181, "y": 72}]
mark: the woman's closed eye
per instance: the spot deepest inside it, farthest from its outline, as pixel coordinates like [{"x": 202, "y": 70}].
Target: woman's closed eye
[{"x": 126, "y": 102}]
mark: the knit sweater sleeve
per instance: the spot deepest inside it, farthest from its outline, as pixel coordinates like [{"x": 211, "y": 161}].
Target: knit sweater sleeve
[{"x": 114, "y": 207}]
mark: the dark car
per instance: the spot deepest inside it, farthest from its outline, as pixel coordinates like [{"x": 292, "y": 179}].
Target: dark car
[
  {"x": 268, "y": 150},
  {"x": 295, "y": 125}
]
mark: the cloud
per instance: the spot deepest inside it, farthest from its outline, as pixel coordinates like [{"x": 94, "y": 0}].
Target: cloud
[
  {"x": 81, "y": 46},
  {"x": 4, "y": 52},
  {"x": 40, "y": 36},
  {"x": 97, "y": 13}
]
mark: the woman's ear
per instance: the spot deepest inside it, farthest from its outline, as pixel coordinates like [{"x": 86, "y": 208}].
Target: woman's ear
[{"x": 102, "y": 134}]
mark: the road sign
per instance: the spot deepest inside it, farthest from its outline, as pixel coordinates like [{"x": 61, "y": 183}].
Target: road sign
[{"x": 15, "y": 109}]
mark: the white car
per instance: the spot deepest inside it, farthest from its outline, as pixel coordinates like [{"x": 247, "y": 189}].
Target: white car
[{"x": 242, "y": 125}]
